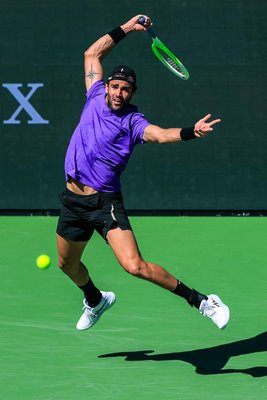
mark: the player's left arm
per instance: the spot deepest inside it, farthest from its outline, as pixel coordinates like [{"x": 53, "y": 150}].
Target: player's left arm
[{"x": 154, "y": 133}]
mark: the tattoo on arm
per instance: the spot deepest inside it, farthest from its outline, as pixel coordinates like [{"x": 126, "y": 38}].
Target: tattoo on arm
[{"x": 91, "y": 74}]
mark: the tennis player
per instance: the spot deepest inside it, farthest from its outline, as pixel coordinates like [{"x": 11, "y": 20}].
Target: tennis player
[{"x": 109, "y": 129}]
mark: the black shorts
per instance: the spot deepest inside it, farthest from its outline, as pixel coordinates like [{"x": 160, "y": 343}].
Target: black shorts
[{"x": 80, "y": 215}]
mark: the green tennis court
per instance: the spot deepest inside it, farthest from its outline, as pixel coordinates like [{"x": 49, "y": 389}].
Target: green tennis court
[{"x": 151, "y": 344}]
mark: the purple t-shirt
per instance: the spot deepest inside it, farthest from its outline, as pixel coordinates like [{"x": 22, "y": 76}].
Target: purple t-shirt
[{"x": 103, "y": 141}]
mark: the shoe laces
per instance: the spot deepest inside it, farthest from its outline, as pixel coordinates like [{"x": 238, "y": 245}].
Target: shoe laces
[
  {"x": 209, "y": 309},
  {"x": 89, "y": 310}
]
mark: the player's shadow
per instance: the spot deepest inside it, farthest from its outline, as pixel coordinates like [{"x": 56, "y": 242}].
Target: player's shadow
[{"x": 210, "y": 360}]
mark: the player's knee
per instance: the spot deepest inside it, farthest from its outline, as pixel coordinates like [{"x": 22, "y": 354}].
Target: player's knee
[
  {"x": 62, "y": 263},
  {"x": 136, "y": 268},
  {"x": 65, "y": 263}
]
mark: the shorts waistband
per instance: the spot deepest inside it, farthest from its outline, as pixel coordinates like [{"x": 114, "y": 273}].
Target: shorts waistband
[{"x": 98, "y": 194}]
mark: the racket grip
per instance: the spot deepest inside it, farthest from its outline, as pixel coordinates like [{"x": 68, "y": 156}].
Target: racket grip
[{"x": 142, "y": 21}]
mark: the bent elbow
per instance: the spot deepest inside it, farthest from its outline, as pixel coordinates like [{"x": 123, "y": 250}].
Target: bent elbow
[{"x": 88, "y": 53}]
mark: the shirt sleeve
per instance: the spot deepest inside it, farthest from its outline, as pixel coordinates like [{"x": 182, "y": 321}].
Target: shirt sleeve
[
  {"x": 138, "y": 125},
  {"x": 97, "y": 88}
]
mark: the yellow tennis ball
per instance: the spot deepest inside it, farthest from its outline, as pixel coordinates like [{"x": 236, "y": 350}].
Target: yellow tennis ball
[{"x": 43, "y": 261}]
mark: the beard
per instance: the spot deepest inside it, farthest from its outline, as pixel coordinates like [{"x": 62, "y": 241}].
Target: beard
[{"x": 116, "y": 104}]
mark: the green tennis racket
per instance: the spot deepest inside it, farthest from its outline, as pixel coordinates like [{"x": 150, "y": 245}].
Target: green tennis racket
[{"x": 165, "y": 55}]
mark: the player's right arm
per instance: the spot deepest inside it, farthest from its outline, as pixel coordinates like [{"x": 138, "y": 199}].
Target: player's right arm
[
  {"x": 93, "y": 60},
  {"x": 94, "y": 55}
]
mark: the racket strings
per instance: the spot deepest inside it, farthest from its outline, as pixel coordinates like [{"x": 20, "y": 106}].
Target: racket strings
[{"x": 172, "y": 63}]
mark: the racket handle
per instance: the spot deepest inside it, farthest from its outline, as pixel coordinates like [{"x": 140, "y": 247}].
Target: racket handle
[{"x": 142, "y": 21}]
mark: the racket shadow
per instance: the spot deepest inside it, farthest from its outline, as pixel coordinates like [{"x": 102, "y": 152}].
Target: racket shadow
[{"x": 207, "y": 361}]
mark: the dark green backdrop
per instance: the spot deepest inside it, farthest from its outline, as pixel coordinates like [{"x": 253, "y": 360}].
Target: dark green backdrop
[{"x": 223, "y": 44}]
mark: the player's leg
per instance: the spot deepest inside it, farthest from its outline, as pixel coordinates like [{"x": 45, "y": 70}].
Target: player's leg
[
  {"x": 70, "y": 253},
  {"x": 73, "y": 233},
  {"x": 69, "y": 260},
  {"x": 126, "y": 251},
  {"x": 95, "y": 301}
]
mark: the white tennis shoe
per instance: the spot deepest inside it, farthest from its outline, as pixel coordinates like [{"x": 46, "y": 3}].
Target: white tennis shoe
[
  {"x": 216, "y": 310},
  {"x": 92, "y": 314}
]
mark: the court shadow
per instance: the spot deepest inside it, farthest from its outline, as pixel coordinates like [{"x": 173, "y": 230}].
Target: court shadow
[{"x": 210, "y": 360}]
